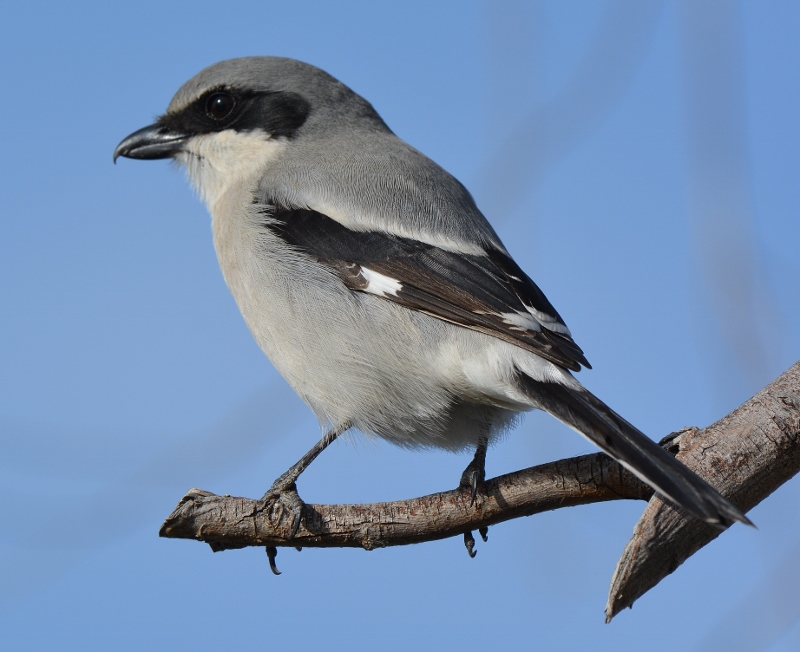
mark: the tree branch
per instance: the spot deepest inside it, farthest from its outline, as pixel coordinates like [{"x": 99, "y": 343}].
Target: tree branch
[
  {"x": 746, "y": 455},
  {"x": 226, "y": 522}
]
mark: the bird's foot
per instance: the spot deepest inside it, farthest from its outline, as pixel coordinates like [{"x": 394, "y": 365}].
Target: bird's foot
[
  {"x": 469, "y": 544},
  {"x": 469, "y": 540},
  {"x": 473, "y": 477},
  {"x": 284, "y": 503},
  {"x": 475, "y": 473}
]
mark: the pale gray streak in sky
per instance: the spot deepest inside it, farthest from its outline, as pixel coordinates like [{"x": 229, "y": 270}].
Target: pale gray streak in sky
[
  {"x": 727, "y": 249},
  {"x": 548, "y": 131}
]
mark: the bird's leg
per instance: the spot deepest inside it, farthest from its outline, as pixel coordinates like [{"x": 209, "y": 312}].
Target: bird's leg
[
  {"x": 284, "y": 489},
  {"x": 475, "y": 473}
]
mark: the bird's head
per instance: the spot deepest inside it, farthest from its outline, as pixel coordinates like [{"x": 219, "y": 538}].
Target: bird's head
[{"x": 236, "y": 117}]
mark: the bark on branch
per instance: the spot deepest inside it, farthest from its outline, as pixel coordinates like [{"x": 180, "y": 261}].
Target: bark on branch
[
  {"x": 746, "y": 455},
  {"x": 227, "y": 522}
]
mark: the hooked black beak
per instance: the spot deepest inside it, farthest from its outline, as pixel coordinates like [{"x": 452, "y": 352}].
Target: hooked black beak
[{"x": 151, "y": 143}]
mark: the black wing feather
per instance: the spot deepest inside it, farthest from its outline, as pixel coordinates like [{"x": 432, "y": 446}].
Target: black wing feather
[{"x": 469, "y": 290}]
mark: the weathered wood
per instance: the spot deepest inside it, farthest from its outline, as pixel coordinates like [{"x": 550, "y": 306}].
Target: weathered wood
[
  {"x": 227, "y": 522},
  {"x": 746, "y": 455}
]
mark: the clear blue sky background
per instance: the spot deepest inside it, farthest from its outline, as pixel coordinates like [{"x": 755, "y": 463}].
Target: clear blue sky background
[{"x": 640, "y": 160}]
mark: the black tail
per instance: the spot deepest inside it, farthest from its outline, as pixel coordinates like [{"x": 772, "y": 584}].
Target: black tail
[{"x": 635, "y": 451}]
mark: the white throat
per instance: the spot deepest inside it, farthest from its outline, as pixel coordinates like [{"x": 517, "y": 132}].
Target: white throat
[{"x": 217, "y": 162}]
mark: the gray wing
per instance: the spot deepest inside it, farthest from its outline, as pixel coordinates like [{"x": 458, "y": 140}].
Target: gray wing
[{"x": 486, "y": 292}]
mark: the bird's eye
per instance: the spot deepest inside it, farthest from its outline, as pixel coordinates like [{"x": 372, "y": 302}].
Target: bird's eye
[{"x": 219, "y": 105}]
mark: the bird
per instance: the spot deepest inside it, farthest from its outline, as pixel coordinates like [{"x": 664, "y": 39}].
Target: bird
[{"x": 371, "y": 280}]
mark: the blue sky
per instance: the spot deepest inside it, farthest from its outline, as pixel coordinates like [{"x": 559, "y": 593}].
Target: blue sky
[{"x": 640, "y": 161}]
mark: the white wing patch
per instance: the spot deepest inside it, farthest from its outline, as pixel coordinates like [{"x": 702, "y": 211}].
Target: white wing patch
[
  {"x": 380, "y": 284},
  {"x": 521, "y": 321},
  {"x": 548, "y": 321}
]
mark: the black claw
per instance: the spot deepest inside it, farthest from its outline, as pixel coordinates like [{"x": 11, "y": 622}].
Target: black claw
[
  {"x": 287, "y": 497},
  {"x": 296, "y": 508},
  {"x": 475, "y": 473},
  {"x": 484, "y": 532},
  {"x": 272, "y": 552},
  {"x": 469, "y": 542},
  {"x": 295, "y": 526},
  {"x": 472, "y": 478}
]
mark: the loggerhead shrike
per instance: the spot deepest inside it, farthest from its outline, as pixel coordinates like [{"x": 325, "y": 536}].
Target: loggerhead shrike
[{"x": 373, "y": 283}]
